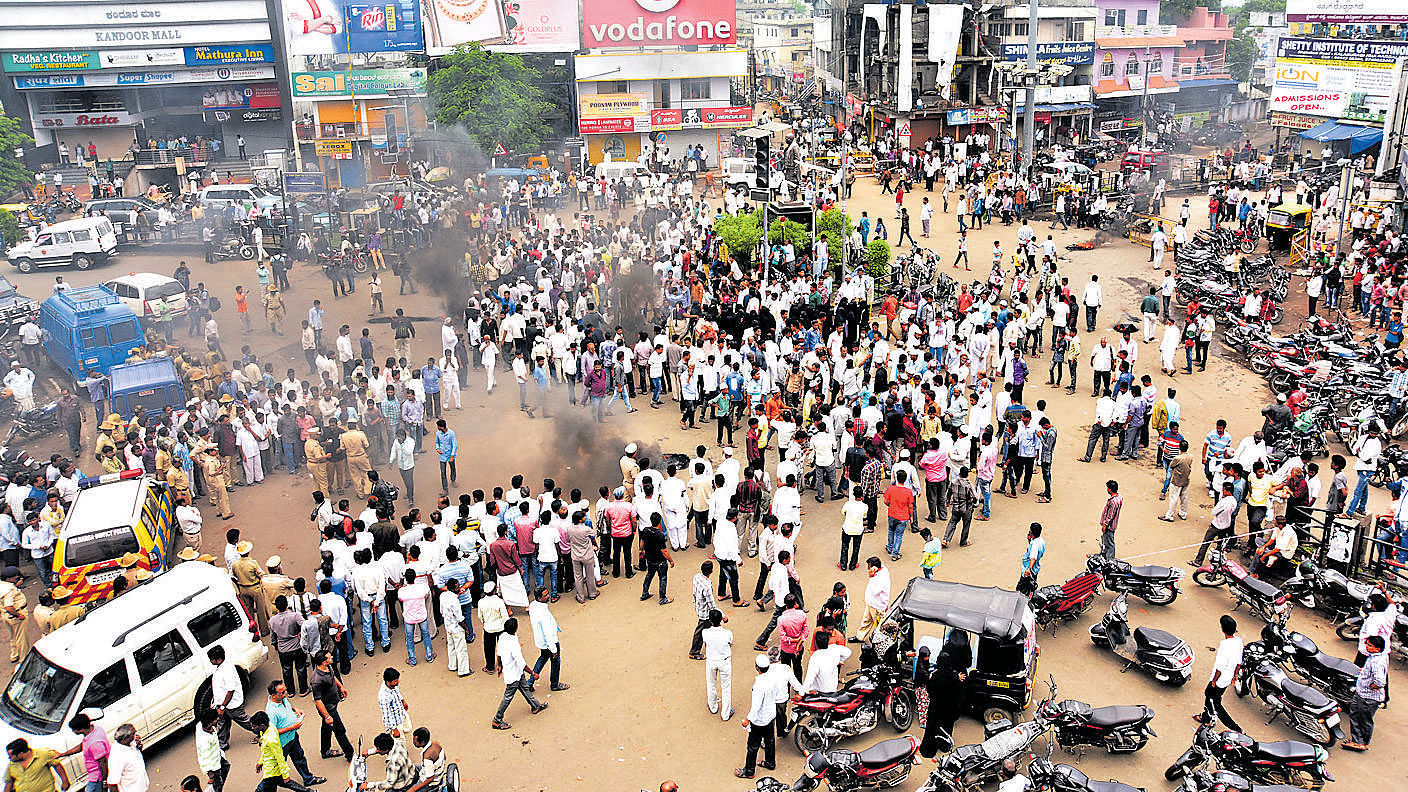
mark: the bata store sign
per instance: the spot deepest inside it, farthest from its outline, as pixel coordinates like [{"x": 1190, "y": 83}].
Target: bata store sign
[
  {"x": 66, "y": 120},
  {"x": 652, "y": 23}
]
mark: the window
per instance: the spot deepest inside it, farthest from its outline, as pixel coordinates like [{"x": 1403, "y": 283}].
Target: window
[
  {"x": 122, "y": 333},
  {"x": 1155, "y": 64},
  {"x": 1019, "y": 28},
  {"x": 1075, "y": 31},
  {"x": 1131, "y": 65},
  {"x": 214, "y": 624},
  {"x": 82, "y": 235},
  {"x": 160, "y": 656},
  {"x": 108, "y": 687},
  {"x": 662, "y": 89},
  {"x": 48, "y": 239},
  {"x": 694, "y": 89},
  {"x": 39, "y": 694},
  {"x": 619, "y": 86},
  {"x": 62, "y": 237},
  {"x": 105, "y": 545},
  {"x": 90, "y": 338},
  {"x": 1114, "y": 17},
  {"x": 1107, "y": 69},
  {"x": 615, "y": 146},
  {"x": 1141, "y": 17}
]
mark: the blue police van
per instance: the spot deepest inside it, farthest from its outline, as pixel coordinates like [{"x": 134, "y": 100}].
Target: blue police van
[{"x": 88, "y": 329}]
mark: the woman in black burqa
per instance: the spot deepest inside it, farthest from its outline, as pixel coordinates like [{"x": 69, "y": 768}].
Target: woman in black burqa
[{"x": 947, "y": 694}]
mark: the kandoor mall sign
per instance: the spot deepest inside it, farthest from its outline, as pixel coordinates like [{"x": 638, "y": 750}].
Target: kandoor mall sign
[{"x": 653, "y": 23}]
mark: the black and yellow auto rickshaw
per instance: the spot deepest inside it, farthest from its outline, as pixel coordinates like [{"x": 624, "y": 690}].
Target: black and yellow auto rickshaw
[
  {"x": 1285, "y": 222},
  {"x": 997, "y": 625}
]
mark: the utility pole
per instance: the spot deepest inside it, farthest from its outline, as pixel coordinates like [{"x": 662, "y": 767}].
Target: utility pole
[
  {"x": 1144, "y": 100},
  {"x": 1029, "y": 117}
]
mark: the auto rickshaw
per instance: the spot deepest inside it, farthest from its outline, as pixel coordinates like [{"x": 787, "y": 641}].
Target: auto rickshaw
[
  {"x": 996, "y": 626},
  {"x": 1284, "y": 222}
]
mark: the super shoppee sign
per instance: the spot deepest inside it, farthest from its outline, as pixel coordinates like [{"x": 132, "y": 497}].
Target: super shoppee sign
[{"x": 649, "y": 23}]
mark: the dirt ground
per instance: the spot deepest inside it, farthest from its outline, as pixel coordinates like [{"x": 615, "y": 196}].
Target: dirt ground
[{"x": 636, "y": 714}]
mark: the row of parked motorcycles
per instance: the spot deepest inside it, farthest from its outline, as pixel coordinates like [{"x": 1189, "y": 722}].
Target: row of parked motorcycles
[
  {"x": 1284, "y": 669},
  {"x": 1227, "y": 761}
]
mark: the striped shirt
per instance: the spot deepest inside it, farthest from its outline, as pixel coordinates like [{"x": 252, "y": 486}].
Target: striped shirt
[{"x": 1170, "y": 442}]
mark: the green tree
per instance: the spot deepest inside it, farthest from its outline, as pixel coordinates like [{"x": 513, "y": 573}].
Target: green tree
[
  {"x": 780, "y": 230},
  {"x": 1241, "y": 56},
  {"x": 877, "y": 258},
  {"x": 9, "y": 230},
  {"x": 490, "y": 95},
  {"x": 741, "y": 233},
  {"x": 13, "y": 171},
  {"x": 836, "y": 227}
]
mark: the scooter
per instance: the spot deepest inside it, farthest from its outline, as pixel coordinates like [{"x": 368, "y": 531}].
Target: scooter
[
  {"x": 1157, "y": 585},
  {"x": 881, "y": 766},
  {"x": 1049, "y": 777},
  {"x": 29, "y": 423},
  {"x": 1066, "y": 602},
  {"x": 1282, "y": 762},
  {"x": 1161, "y": 655},
  {"x": 1269, "y": 603},
  {"x": 819, "y": 720},
  {"x": 1311, "y": 712},
  {"x": 1333, "y": 676}
]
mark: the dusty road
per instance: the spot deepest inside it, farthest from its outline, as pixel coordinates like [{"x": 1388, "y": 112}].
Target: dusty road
[{"x": 635, "y": 714}]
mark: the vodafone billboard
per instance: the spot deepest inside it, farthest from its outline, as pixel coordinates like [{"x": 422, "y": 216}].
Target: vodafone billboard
[{"x": 651, "y": 23}]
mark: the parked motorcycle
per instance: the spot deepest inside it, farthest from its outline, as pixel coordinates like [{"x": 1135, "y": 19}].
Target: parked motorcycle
[
  {"x": 1157, "y": 585},
  {"x": 882, "y": 765},
  {"x": 232, "y": 248},
  {"x": 819, "y": 720},
  {"x": 1048, "y": 777},
  {"x": 1327, "y": 590},
  {"x": 1333, "y": 676},
  {"x": 1309, "y": 711},
  {"x": 32, "y": 423},
  {"x": 1225, "y": 781},
  {"x": 1281, "y": 762},
  {"x": 1398, "y": 642},
  {"x": 1066, "y": 602},
  {"x": 1162, "y": 655},
  {"x": 1117, "y": 729},
  {"x": 968, "y": 767},
  {"x": 1269, "y": 603}
]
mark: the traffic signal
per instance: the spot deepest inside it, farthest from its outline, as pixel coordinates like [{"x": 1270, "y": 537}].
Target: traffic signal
[{"x": 760, "y": 163}]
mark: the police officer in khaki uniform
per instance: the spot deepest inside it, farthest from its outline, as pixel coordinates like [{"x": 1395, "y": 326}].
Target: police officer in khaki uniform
[
  {"x": 179, "y": 482},
  {"x": 12, "y": 610},
  {"x": 217, "y": 481},
  {"x": 318, "y": 459},
  {"x": 64, "y": 612},
  {"x": 275, "y": 583},
  {"x": 249, "y": 585},
  {"x": 104, "y": 442},
  {"x": 354, "y": 442}
]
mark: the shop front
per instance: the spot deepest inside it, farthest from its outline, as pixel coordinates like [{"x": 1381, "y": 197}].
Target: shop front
[
  {"x": 361, "y": 125},
  {"x": 119, "y": 75}
]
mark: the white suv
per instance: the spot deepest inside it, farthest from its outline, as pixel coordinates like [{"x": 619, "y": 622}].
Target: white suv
[
  {"x": 146, "y": 292},
  {"x": 218, "y": 196}
]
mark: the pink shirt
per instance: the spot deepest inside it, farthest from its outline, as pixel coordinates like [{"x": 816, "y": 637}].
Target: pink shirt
[
  {"x": 792, "y": 630},
  {"x": 95, "y": 747},
  {"x": 935, "y": 466},
  {"x": 413, "y": 598},
  {"x": 987, "y": 463}
]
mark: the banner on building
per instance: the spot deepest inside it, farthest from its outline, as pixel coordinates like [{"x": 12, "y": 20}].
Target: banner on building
[
  {"x": 1072, "y": 52},
  {"x": 1347, "y": 11},
  {"x": 304, "y": 183},
  {"x": 977, "y": 115},
  {"x": 854, "y": 107},
  {"x": 1329, "y": 78},
  {"x": 1294, "y": 120},
  {"x": 607, "y": 126},
  {"x": 666, "y": 120},
  {"x": 337, "y": 148},
  {"x": 365, "y": 83},
  {"x": 99, "y": 24},
  {"x": 614, "y": 105},
  {"x": 240, "y": 97},
  {"x": 945, "y": 28},
  {"x": 503, "y": 25},
  {"x": 659, "y": 23},
  {"x": 337, "y": 27}
]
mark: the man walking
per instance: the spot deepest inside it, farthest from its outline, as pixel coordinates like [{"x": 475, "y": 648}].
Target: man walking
[
  {"x": 1223, "y": 512},
  {"x": 718, "y": 665},
  {"x": 899, "y": 503},
  {"x": 328, "y": 693},
  {"x": 704, "y": 604},
  {"x": 1224, "y": 669},
  {"x": 227, "y": 697},
  {"x": 877, "y": 598},
  {"x": 761, "y": 713},
  {"x": 514, "y": 669},
  {"x": 286, "y": 720},
  {"x": 545, "y": 630},
  {"x": 1110, "y": 519}
]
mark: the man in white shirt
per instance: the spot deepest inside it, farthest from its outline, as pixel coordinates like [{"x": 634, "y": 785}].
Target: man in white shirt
[
  {"x": 127, "y": 771},
  {"x": 1367, "y": 451},
  {"x": 1102, "y": 429},
  {"x": 761, "y": 713},
  {"x": 517, "y": 678},
  {"x": 824, "y": 668},
  {"x": 226, "y": 696},
  {"x": 1224, "y": 669},
  {"x": 877, "y": 597},
  {"x": 545, "y": 631},
  {"x": 1091, "y": 298},
  {"x": 718, "y": 665}
]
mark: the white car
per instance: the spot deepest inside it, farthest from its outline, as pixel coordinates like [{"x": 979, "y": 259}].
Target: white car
[
  {"x": 80, "y": 243},
  {"x": 146, "y": 292},
  {"x": 140, "y": 658},
  {"x": 218, "y": 196}
]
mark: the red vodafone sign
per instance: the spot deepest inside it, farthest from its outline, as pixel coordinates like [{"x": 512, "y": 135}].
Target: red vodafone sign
[{"x": 649, "y": 23}]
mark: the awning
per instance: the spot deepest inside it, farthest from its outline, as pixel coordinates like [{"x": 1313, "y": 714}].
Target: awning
[
  {"x": 1209, "y": 82},
  {"x": 1359, "y": 137},
  {"x": 1059, "y": 108}
]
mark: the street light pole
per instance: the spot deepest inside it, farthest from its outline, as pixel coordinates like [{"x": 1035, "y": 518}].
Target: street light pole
[
  {"x": 1144, "y": 100},
  {"x": 1029, "y": 117}
]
